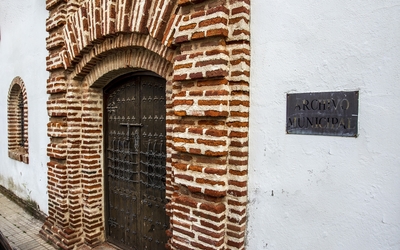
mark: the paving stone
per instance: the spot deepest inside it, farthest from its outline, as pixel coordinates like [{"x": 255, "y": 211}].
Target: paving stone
[{"x": 20, "y": 228}]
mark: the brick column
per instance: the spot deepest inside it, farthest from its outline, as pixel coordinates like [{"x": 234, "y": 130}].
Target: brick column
[
  {"x": 62, "y": 224},
  {"x": 91, "y": 168},
  {"x": 209, "y": 124}
]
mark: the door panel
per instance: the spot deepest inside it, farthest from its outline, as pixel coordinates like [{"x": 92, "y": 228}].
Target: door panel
[
  {"x": 153, "y": 161},
  {"x": 135, "y": 163}
]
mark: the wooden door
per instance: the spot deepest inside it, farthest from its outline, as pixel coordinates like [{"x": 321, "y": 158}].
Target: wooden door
[{"x": 135, "y": 155}]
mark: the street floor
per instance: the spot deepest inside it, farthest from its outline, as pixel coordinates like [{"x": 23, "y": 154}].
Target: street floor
[{"x": 20, "y": 228}]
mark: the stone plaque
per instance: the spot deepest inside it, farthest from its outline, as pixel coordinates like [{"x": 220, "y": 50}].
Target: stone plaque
[{"x": 323, "y": 113}]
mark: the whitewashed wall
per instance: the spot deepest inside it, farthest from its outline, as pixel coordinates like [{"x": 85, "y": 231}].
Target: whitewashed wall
[
  {"x": 328, "y": 192},
  {"x": 23, "y": 53}
]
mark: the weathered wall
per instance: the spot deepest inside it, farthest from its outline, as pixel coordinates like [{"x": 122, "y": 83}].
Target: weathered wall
[
  {"x": 201, "y": 48},
  {"x": 23, "y": 53},
  {"x": 328, "y": 192}
]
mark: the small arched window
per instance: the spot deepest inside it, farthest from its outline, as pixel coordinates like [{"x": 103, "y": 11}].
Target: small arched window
[{"x": 18, "y": 121}]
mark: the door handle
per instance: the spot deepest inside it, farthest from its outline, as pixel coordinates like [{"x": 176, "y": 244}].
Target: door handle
[{"x": 131, "y": 124}]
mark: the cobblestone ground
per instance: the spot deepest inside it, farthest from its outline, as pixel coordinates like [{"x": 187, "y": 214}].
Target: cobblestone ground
[{"x": 20, "y": 228}]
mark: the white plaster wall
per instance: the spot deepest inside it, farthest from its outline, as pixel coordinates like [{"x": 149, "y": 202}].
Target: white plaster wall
[
  {"x": 328, "y": 192},
  {"x": 23, "y": 53}
]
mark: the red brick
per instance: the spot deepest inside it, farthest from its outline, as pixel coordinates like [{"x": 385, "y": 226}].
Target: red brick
[
  {"x": 212, "y": 102},
  {"x": 210, "y": 225},
  {"x": 241, "y": 9},
  {"x": 211, "y": 234},
  {"x": 180, "y": 166},
  {"x": 185, "y": 200},
  {"x": 196, "y": 130},
  {"x": 217, "y": 32},
  {"x": 197, "y": 75},
  {"x": 183, "y": 102},
  {"x": 184, "y": 140},
  {"x": 213, "y": 21},
  {"x": 187, "y": 27},
  {"x": 212, "y": 62},
  {"x": 182, "y": 39},
  {"x": 185, "y": 232},
  {"x": 235, "y": 244},
  {"x": 211, "y": 241},
  {"x": 194, "y": 189},
  {"x": 213, "y": 218},
  {"x": 216, "y": 73},
  {"x": 210, "y": 182},
  {"x": 216, "y": 171},
  {"x": 198, "y": 35},
  {"x": 184, "y": 176},
  {"x": 212, "y": 82},
  {"x": 216, "y": 113},
  {"x": 182, "y": 66},
  {"x": 214, "y": 193}
]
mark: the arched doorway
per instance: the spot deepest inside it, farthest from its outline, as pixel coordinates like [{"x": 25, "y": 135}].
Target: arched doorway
[
  {"x": 135, "y": 159},
  {"x": 203, "y": 51}
]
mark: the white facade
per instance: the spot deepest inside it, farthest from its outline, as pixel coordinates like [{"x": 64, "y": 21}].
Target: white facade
[
  {"x": 328, "y": 192},
  {"x": 23, "y": 53},
  {"x": 305, "y": 192}
]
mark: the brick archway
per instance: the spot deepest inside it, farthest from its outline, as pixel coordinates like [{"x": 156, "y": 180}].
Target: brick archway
[{"x": 202, "y": 49}]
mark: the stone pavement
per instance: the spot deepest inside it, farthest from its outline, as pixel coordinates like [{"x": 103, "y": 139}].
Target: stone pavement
[{"x": 20, "y": 228}]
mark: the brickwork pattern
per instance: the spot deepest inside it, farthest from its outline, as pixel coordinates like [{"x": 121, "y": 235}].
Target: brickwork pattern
[
  {"x": 18, "y": 147},
  {"x": 201, "y": 47}
]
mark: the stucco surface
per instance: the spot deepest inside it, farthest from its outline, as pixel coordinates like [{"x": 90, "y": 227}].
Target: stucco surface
[
  {"x": 324, "y": 192},
  {"x": 23, "y": 53}
]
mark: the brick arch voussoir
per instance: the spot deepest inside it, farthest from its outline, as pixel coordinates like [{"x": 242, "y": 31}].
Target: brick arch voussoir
[
  {"x": 96, "y": 20},
  {"x": 17, "y": 85},
  {"x": 123, "y": 53},
  {"x": 122, "y": 61}
]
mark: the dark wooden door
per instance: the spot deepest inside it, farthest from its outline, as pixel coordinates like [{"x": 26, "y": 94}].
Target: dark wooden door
[{"x": 135, "y": 163}]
